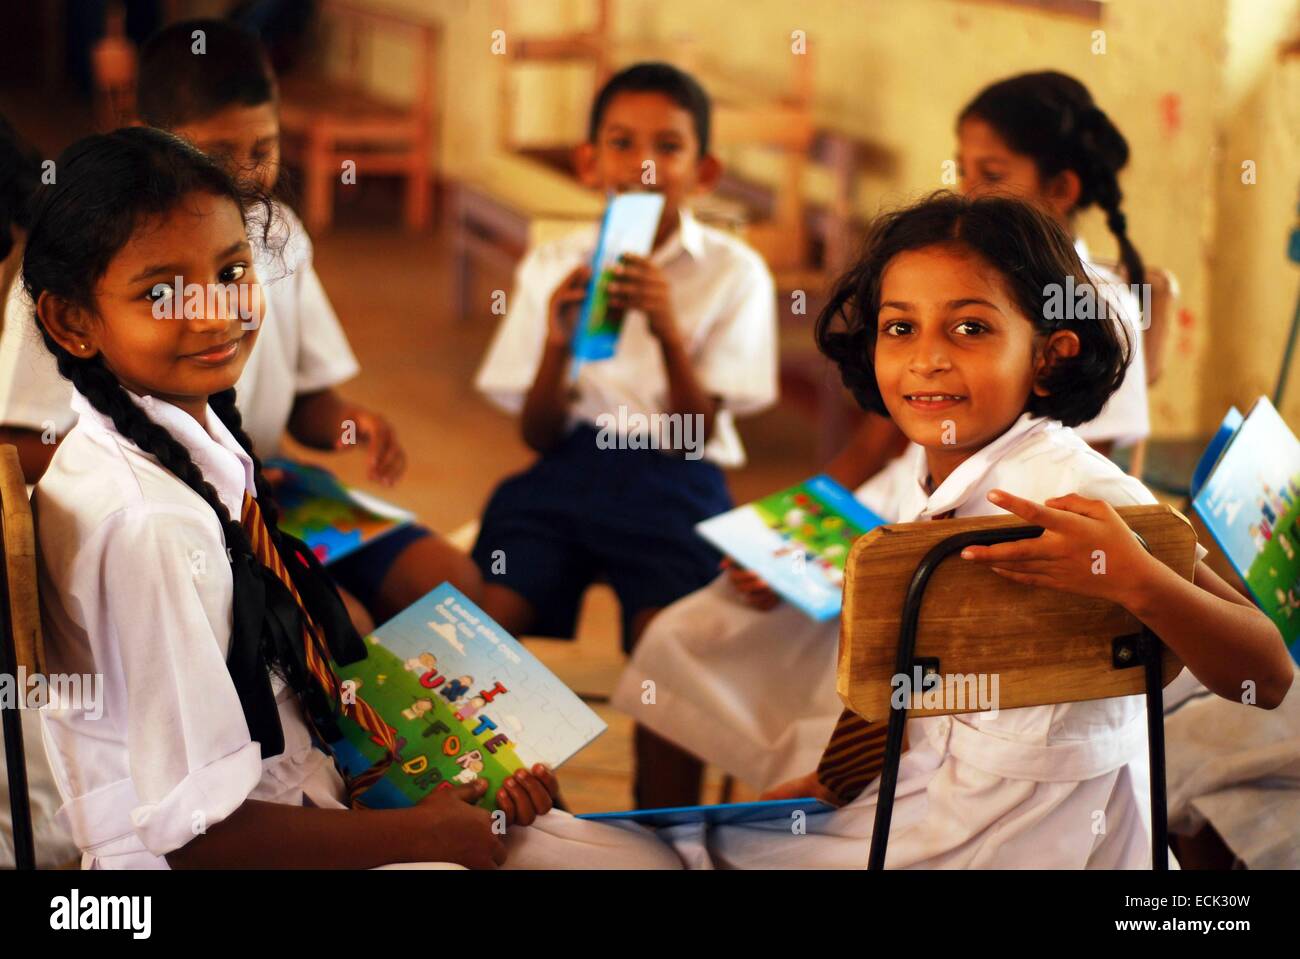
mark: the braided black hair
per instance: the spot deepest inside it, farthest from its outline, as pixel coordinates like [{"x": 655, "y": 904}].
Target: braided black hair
[
  {"x": 1052, "y": 118},
  {"x": 20, "y": 173},
  {"x": 107, "y": 185}
]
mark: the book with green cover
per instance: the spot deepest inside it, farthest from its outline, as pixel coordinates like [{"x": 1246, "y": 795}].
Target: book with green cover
[
  {"x": 1247, "y": 492},
  {"x": 466, "y": 700}
]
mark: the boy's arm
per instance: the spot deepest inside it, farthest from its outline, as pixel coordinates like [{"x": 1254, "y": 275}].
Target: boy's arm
[
  {"x": 546, "y": 406},
  {"x": 686, "y": 396},
  {"x": 323, "y": 420},
  {"x": 33, "y": 454},
  {"x": 316, "y": 420},
  {"x": 640, "y": 285}
]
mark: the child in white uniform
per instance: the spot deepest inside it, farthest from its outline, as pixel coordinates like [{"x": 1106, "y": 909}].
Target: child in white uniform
[
  {"x": 698, "y": 346},
  {"x": 753, "y": 691},
  {"x": 213, "y": 635},
  {"x": 224, "y": 101},
  {"x": 942, "y": 326}
]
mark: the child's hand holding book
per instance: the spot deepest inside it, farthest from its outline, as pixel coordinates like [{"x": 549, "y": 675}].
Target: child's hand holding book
[
  {"x": 448, "y": 826},
  {"x": 566, "y": 303},
  {"x": 527, "y": 795},
  {"x": 752, "y": 587},
  {"x": 640, "y": 285}
]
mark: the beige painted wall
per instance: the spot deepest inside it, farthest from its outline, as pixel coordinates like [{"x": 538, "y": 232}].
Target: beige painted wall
[{"x": 1194, "y": 85}]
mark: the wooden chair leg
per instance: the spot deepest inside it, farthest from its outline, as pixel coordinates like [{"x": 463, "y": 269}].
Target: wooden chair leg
[
  {"x": 419, "y": 191},
  {"x": 15, "y": 758},
  {"x": 318, "y": 209}
]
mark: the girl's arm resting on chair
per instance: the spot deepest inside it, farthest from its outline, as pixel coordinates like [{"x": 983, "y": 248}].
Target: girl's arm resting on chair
[{"x": 1228, "y": 644}]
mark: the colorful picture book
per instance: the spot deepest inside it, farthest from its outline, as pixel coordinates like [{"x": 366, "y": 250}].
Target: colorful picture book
[
  {"x": 797, "y": 540},
  {"x": 631, "y": 221},
  {"x": 466, "y": 700},
  {"x": 722, "y": 814},
  {"x": 331, "y": 518},
  {"x": 1246, "y": 490}
]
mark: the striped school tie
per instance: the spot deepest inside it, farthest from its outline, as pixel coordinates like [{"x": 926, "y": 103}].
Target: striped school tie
[
  {"x": 854, "y": 756},
  {"x": 318, "y": 658},
  {"x": 856, "y": 753}
]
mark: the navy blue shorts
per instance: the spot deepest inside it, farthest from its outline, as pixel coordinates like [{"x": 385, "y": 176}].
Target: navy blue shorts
[
  {"x": 362, "y": 572},
  {"x": 581, "y": 513}
]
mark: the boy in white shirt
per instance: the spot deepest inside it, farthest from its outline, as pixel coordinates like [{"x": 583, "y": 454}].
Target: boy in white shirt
[
  {"x": 224, "y": 101},
  {"x": 609, "y": 496}
]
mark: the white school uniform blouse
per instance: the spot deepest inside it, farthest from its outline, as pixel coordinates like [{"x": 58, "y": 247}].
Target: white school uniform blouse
[
  {"x": 1061, "y": 786},
  {"x": 749, "y": 691},
  {"x": 1126, "y": 418},
  {"x": 135, "y": 586},
  {"x": 300, "y": 348},
  {"x": 725, "y": 304}
]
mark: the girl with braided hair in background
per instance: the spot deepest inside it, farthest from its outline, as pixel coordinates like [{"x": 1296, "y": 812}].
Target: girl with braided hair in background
[{"x": 161, "y": 566}]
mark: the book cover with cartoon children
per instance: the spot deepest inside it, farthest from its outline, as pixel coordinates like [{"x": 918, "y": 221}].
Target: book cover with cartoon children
[
  {"x": 631, "y": 221},
  {"x": 1247, "y": 492},
  {"x": 332, "y": 519},
  {"x": 465, "y": 700},
  {"x": 797, "y": 539}
]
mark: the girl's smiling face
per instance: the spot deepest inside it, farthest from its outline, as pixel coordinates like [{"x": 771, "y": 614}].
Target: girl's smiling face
[
  {"x": 955, "y": 358},
  {"x": 181, "y": 359}
]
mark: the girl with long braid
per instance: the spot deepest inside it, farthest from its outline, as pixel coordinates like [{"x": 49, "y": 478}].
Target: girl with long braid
[{"x": 162, "y": 569}]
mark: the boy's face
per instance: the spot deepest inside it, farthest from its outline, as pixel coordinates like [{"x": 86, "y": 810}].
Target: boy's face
[
  {"x": 647, "y": 142},
  {"x": 245, "y": 140}
]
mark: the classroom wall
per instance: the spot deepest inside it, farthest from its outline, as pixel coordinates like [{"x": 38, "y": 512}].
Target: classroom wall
[
  {"x": 1254, "y": 287},
  {"x": 1194, "y": 86}
]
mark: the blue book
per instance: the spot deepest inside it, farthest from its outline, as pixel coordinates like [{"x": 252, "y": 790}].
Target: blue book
[
  {"x": 630, "y": 223},
  {"x": 797, "y": 539},
  {"x": 1249, "y": 497},
  {"x": 465, "y": 699},
  {"x": 723, "y": 814}
]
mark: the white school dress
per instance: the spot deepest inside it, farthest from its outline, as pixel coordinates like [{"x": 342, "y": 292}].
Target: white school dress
[
  {"x": 753, "y": 692},
  {"x": 135, "y": 586},
  {"x": 748, "y": 691},
  {"x": 1062, "y": 786},
  {"x": 1237, "y": 768},
  {"x": 725, "y": 304},
  {"x": 301, "y": 348},
  {"x": 1126, "y": 418}
]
